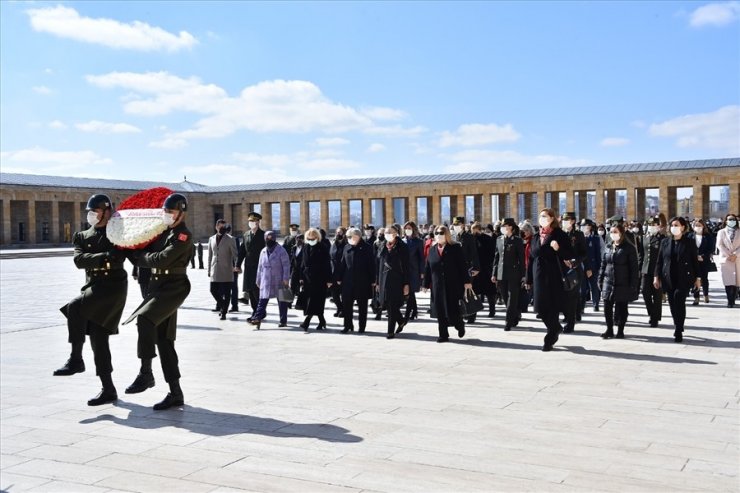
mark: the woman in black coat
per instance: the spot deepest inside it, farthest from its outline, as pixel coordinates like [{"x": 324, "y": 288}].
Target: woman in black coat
[
  {"x": 416, "y": 267},
  {"x": 705, "y": 245},
  {"x": 486, "y": 246},
  {"x": 393, "y": 278},
  {"x": 618, "y": 281},
  {"x": 676, "y": 271},
  {"x": 335, "y": 253},
  {"x": 447, "y": 275},
  {"x": 549, "y": 256},
  {"x": 355, "y": 275},
  {"x": 315, "y": 277}
]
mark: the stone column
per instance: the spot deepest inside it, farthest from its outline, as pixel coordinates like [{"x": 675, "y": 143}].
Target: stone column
[
  {"x": 388, "y": 209},
  {"x": 324, "y": 221},
  {"x": 701, "y": 201},
  {"x": 266, "y": 212},
  {"x": 366, "y": 209},
  {"x": 412, "y": 209},
  {"x": 513, "y": 204},
  {"x": 31, "y": 226},
  {"x": 734, "y": 196},
  {"x": 7, "y": 231},
  {"x": 541, "y": 203},
  {"x": 76, "y": 215},
  {"x": 228, "y": 215},
  {"x": 611, "y": 204},
  {"x": 344, "y": 211},
  {"x": 457, "y": 204},
  {"x": 485, "y": 209},
  {"x": 54, "y": 227},
  {"x": 631, "y": 209},
  {"x": 599, "y": 206},
  {"x": 305, "y": 219},
  {"x": 570, "y": 201},
  {"x": 640, "y": 204},
  {"x": 284, "y": 217}
]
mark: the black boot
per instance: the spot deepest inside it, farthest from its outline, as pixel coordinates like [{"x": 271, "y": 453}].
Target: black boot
[
  {"x": 70, "y": 368},
  {"x": 142, "y": 382},
  {"x": 730, "y": 290},
  {"x": 608, "y": 334},
  {"x": 107, "y": 395},
  {"x": 620, "y": 332},
  {"x": 174, "y": 398}
]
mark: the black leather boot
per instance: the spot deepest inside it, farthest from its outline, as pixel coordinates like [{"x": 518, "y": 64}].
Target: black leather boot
[
  {"x": 142, "y": 382},
  {"x": 106, "y": 396},
  {"x": 174, "y": 398},
  {"x": 71, "y": 367}
]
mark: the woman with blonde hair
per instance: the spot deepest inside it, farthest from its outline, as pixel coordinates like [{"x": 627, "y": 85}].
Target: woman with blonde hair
[
  {"x": 447, "y": 275},
  {"x": 393, "y": 278},
  {"x": 315, "y": 277}
]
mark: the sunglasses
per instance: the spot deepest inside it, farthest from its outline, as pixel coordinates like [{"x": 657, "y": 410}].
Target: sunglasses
[{"x": 439, "y": 233}]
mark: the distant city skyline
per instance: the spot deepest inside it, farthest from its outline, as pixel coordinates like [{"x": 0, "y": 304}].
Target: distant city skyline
[{"x": 262, "y": 92}]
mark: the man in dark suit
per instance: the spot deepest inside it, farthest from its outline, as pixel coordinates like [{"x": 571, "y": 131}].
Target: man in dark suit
[
  {"x": 249, "y": 253},
  {"x": 470, "y": 250},
  {"x": 652, "y": 296},
  {"x": 508, "y": 270},
  {"x": 581, "y": 263}
]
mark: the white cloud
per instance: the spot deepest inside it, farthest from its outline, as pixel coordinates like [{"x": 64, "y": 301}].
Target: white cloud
[
  {"x": 58, "y": 125},
  {"x": 474, "y": 160},
  {"x": 96, "y": 126},
  {"x": 66, "y": 22},
  {"x": 329, "y": 164},
  {"x": 269, "y": 106},
  {"x": 718, "y": 130},
  {"x": 715, "y": 14},
  {"x": 169, "y": 143},
  {"x": 43, "y": 90},
  {"x": 48, "y": 71},
  {"x": 52, "y": 161},
  {"x": 614, "y": 142},
  {"x": 379, "y": 113},
  {"x": 395, "y": 131},
  {"x": 331, "y": 141},
  {"x": 376, "y": 148},
  {"x": 476, "y": 134},
  {"x": 228, "y": 174}
]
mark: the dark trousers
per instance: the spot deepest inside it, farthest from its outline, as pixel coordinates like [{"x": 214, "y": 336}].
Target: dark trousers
[
  {"x": 525, "y": 297},
  {"x": 361, "y": 312},
  {"x": 235, "y": 292},
  {"x": 200, "y": 260},
  {"x": 151, "y": 335},
  {"x": 192, "y": 262},
  {"x": 653, "y": 298},
  {"x": 731, "y": 292},
  {"x": 572, "y": 299},
  {"x": 101, "y": 350},
  {"x": 411, "y": 306},
  {"x": 677, "y": 302},
  {"x": 254, "y": 297},
  {"x": 510, "y": 293},
  {"x": 336, "y": 296},
  {"x": 704, "y": 285},
  {"x": 615, "y": 312},
  {"x": 221, "y": 292},
  {"x": 394, "y": 314},
  {"x": 261, "y": 311},
  {"x": 144, "y": 287},
  {"x": 590, "y": 284},
  {"x": 550, "y": 318},
  {"x": 443, "y": 324}
]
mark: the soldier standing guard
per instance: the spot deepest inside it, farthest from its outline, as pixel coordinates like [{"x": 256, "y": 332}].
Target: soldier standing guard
[
  {"x": 168, "y": 257},
  {"x": 98, "y": 308},
  {"x": 249, "y": 253}
]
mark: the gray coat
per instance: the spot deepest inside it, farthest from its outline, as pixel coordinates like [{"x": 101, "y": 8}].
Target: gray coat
[{"x": 222, "y": 257}]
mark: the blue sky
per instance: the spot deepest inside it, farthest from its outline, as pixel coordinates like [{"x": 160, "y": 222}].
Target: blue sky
[{"x": 229, "y": 92}]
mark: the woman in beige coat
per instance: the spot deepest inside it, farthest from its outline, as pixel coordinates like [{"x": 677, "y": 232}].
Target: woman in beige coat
[{"x": 728, "y": 244}]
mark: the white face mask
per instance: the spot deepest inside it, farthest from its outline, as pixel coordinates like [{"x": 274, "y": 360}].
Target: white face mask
[
  {"x": 92, "y": 218},
  {"x": 731, "y": 223},
  {"x": 488, "y": 233},
  {"x": 676, "y": 230},
  {"x": 653, "y": 229},
  {"x": 409, "y": 232},
  {"x": 636, "y": 230},
  {"x": 440, "y": 239},
  {"x": 567, "y": 226},
  {"x": 252, "y": 224},
  {"x": 368, "y": 233},
  {"x": 544, "y": 222},
  {"x": 601, "y": 232},
  {"x": 698, "y": 230},
  {"x": 458, "y": 229},
  {"x": 293, "y": 232},
  {"x": 312, "y": 242},
  {"x": 353, "y": 241},
  {"x": 614, "y": 237},
  {"x": 587, "y": 230},
  {"x": 389, "y": 237},
  {"x": 168, "y": 218},
  {"x": 506, "y": 230}
]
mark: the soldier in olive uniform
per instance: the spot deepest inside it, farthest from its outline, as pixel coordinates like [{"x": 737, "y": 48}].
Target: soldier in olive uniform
[
  {"x": 249, "y": 253},
  {"x": 168, "y": 257},
  {"x": 98, "y": 308},
  {"x": 289, "y": 241},
  {"x": 582, "y": 264},
  {"x": 508, "y": 270},
  {"x": 652, "y": 296},
  {"x": 470, "y": 251}
]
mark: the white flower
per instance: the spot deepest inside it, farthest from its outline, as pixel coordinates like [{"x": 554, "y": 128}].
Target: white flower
[{"x": 135, "y": 228}]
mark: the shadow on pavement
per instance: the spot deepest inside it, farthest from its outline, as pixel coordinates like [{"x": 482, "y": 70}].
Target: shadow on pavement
[
  {"x": 214, "y": 423},
  {"x": 642, "y": 357}
]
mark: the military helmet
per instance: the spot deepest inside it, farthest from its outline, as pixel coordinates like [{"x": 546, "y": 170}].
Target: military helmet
[
  {"x": 98, "y": 201},
  {"x": 176, "y": 201}
]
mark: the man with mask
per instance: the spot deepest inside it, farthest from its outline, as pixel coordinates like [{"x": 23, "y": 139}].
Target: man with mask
[
  {"x": 156, "y": 317},
  {"x": 652, "y": 296},
  {"x": 508, "y": 270},
  {"x": 222, "y": 256},
  {"x": 470, "y": 251},
  {"x": 581, "y": 263},
  {"x": 369, "y": 232},
  {"x": 336, "y": 252},
  {"x": 594, "y": 250},
  {"x": 249, "y": 253},
  {"x": 289, "y": 241},
  {"x": 97, "y": 310},
  {"x": 235, "y": 280}
]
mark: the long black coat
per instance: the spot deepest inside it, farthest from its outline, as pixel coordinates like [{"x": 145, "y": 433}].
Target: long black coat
[
  {"x": 103, "y": 296},
  {"x": 705, "y": 249},
  {"x": 357, "y": 271},
  {"x": 315, "y": 274},
  {"x": 249, "y": 253},
  {"x": 508, "y": 261},
  {"x": 486, "y": 247},
  {"x": 393, "y": 272},
  {"x": 619, "y": 277},
  {"x": 416, "y": 262},
  {"x": 336, "y": 252},
  {"x": 447, "y": 275},
  {"x": 171, "y": 250},
  {"x": 687, "y": 270},
  {"x": 544, "y": 271}
]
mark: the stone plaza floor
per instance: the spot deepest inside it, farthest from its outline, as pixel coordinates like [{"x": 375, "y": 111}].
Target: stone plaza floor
[{"x": 283, "y": 410}]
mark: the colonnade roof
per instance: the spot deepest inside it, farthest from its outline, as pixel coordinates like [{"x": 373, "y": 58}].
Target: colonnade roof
[{"x": 19, "y": 179}]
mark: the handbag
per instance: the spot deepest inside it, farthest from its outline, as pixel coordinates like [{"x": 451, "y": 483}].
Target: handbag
[
  {"x": 470, "y": 304},
  {"x": 285, "y": 295},
  {"x": 375, "y": 304},
  {"x": 571, "y": 278},
  {"x": 711, "y": 266},
  {"x": 301, "y": 299}
]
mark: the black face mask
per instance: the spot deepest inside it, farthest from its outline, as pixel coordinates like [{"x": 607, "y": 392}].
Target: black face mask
[
  {"x": 221, "y": 231},
  {"x": 339, "y": 236},
  {"x": 270, "y": 243}
]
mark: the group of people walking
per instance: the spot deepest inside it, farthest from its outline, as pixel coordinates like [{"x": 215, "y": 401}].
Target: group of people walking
[{"x": 557, "y": 266}]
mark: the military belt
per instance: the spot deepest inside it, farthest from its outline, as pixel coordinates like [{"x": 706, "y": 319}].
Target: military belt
[{"x": 170, "y": 271}]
